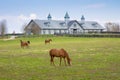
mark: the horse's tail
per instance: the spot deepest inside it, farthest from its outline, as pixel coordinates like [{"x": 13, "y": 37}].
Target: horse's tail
[
  {"x": 21, "y": 42},
  {"x": 28, "y": 42},
  {"x": 50, "y": 53}
]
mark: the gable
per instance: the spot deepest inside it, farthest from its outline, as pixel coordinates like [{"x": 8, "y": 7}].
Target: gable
[
  {"x": 74, "y": 25},
  {"x": 32, "y": 25}
]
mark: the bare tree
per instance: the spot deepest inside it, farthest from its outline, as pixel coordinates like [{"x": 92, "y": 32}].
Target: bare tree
[
  {"x": 112, "y": 27},
  {"x": 24, "y": 27},
  {"x": 3, "y": 28}
]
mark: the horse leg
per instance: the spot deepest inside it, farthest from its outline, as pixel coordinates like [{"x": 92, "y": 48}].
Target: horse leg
[
  {"x": 60, "y": 60},
  {"x": 65, "y": 61},
  {"x": 22, "y": 46},
  {"x": 52, "y": 61}
]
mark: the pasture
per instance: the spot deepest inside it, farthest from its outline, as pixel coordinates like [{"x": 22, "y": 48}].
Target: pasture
[{"x": 92, "y": 59}]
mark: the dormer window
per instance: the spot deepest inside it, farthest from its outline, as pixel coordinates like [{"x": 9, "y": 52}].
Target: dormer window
[
  {"x": 75, "y": 25},
  {"x": 62, "y": 23},
  {"x": 47, "y": 24},
  {"x": 94, "y": 24},
  {"x": 82, "y": 24}
]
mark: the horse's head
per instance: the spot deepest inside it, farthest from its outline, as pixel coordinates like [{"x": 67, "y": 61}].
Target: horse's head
[
  {"x": 69, "y": 61},
  {"x": 50, "y": 39},
  {"x": 28, "y": 42},
  {"x": 20, "y": 40},
  {"x": 67, "y": 56}
]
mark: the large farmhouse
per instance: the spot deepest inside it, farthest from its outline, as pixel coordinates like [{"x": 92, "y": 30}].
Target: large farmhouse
[{"x": 66, "y": 26}]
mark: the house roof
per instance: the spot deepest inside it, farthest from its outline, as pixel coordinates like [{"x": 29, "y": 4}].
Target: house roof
[
  {"x": 51, "y": 24},
  {"x": 61, "y": 24},
  {"x": 90, "y": 25}
]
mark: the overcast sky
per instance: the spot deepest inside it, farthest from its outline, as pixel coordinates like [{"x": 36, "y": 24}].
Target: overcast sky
[{"x": 19, "y": 12}]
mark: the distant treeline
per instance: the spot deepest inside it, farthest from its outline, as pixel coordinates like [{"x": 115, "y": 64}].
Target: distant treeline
[{"x": 97, "y": 35}]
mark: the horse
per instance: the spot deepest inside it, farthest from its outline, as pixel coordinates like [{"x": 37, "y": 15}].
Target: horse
[
  {"x": 61, "y": 54},
  {"x": 24, "y": 44},
  {"x": 48, "y": 41}
]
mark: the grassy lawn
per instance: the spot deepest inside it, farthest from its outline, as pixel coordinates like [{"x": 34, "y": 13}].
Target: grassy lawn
[{"x": 92, "y": 59}]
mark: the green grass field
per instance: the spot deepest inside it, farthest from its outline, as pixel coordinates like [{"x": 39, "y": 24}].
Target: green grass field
[{"x": 92, "y": 59}]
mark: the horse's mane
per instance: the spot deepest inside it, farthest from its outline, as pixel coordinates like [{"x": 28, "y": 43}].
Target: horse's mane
[{"x": 65, "y": 53}]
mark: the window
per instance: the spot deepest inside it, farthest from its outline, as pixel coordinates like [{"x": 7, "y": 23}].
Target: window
[
  {"x": 82, "y": 23},
  {"x": 47, "y": 24},
  {"x": 94, "y": 24},
  {"x": 75, "y": 25},
  {"x": 62, "y": 23}
]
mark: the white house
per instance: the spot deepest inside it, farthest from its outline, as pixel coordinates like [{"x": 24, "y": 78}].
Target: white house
[{"x": 66, "y": 26}]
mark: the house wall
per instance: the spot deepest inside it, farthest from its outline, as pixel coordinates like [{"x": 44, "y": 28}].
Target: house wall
[
  {"x": 45, "y": 31},
  {"x": 28, "y": 29},
  {"x": 93, "y": 31},
  {"x": 32, "y": 29},
  {"x": 53, "y": 31}
]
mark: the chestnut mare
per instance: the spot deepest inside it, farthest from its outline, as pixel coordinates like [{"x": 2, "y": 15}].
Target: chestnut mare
[
  {"x": 59, "y": 53},
  {"x": 24, "y": 44},
  {"x": 48, "y": 41}
]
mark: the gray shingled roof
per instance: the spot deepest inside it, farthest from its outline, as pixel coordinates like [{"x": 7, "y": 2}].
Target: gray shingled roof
[
  {"x": 90, "y": 25},
  {"x": 52, "y": 24},
  {"x": 60, "y": 24}
]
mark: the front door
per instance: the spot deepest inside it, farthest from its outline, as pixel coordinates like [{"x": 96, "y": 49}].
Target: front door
[{"x": 74, "y": 31}]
